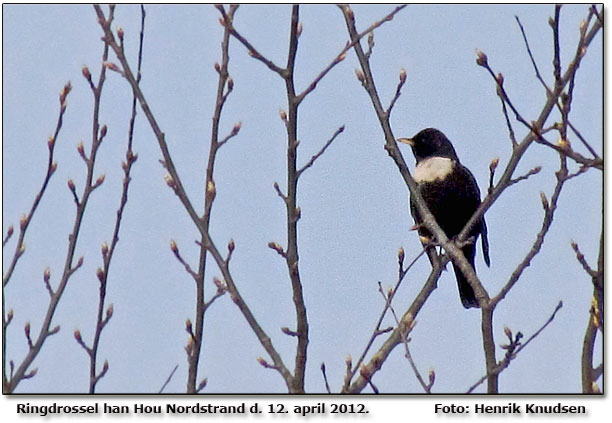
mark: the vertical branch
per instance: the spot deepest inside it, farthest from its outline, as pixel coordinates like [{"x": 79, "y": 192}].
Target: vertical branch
[
  {"x": 595, "y": 323},
  {"x": 290, "y": 118},
  {"x": 556, "y": 50},
  {"x": 488, "y": 343},
  {"x": 98, "y": 134},
  {"x": 561, "y": 80},
  {"x": 586, "y": 362},
  {"x": 173, "y": 180},
  {"x": 106, "y": 252},
  {"x": 105, "y": 313},
  {"x": 224, "y": 87},
  {"x": 292, "y": 256}
]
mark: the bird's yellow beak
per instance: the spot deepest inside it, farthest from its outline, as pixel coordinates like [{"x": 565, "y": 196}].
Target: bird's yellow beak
[{"x": 408, "y": 141}]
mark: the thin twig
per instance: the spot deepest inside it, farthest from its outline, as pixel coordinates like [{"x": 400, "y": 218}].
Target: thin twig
[
  {"x": 533, "y": 62},
  {"x": 180, "y": 259},
  {"x": 325, "y": 378},
  {"x": 583, "y": 140},
  {"x": 340, "y": 57},
  {"x": 405, "y": 326},
  {"x": 566, "y": 150},
  {"x": 320, "y": 152},
  {"x": 556, "y": 55},
  {"x": 549, "y": 212},
  {"x": 227, "y": 22},
  {"x": 168, "y": 379},
  {"x": 51, "y": 167},
  {"x": 502, "y": 365},
  {"x": 505, "y": 111},
  {"x": 225, "y": 86},
  {"x": 531, "y": 172},
  {"x": 9, "y": 234},
  {"x": 103, "y": 316},
  {"x": 394, "y": 339},
  {"x": 402, "y": 272},
  {"x": 398, "y": 91},
  {"x": 580, "y": 257}
]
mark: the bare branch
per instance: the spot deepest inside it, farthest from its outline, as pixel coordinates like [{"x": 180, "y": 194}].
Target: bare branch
[
  {"x": 320, "y": 152},
  {"x": 549, "y": 212},
  {"x": 103, "y": 316},
  {"x": 178, "y": 256},
  {"x": 325, "y": 378},
  {"x": 514, "y": 349},
  {"x": 535, "y": 131},
  {"x": 531, "y": 172},
  {"x": 405, "y": 326},
  {"x": 566, "y": 150},
  {"x": 554, "y": 23},
  {"x": 176, "y": 183},
  {"x": 51, "y": 167},
  {"x": 402, "y": 272},
  {"x": 398, "y": 91},
  {"x": 279, "y": 192},
  {"x": 98, "y": 134},
  {"x": 580, "y": 257},
  {"x": 227, "y": 21},
  {"x": 533, "y": 62},
  {"x": 583, "y": 140},
  {"x": 595, "y": 322},
  {"x": 341, "y": 56},
  {"x": 168, "y": 379},
  {"x": 9, "y": 234},
  {"x": 394, "y": 338}
]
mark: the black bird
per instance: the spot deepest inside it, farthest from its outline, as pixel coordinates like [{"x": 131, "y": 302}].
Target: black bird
[{"x": 452, "y": 196}]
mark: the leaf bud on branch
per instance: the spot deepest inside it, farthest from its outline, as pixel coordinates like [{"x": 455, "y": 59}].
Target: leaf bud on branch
[
  {"x": 211, "y": 190},
  {"x": 481, "y": 58},
  {"x": 360, "y": 75},
  {"x": 86, "y": 73}
]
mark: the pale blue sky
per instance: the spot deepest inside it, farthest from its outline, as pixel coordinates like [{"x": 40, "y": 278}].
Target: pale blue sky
[{"x": 354, "y": 203}]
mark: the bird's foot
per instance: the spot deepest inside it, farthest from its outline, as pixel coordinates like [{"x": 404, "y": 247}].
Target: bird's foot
[{"x": 469, "y": 241}]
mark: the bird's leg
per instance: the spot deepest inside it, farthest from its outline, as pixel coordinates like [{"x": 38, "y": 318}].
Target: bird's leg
[{"x": 469, "y": 241}]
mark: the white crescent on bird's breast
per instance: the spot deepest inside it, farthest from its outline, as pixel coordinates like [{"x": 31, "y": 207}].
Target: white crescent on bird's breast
[{"x": 432, "y": 169}]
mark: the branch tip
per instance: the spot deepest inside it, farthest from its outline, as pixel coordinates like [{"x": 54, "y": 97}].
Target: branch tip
[{"x": 481, "y": 58}]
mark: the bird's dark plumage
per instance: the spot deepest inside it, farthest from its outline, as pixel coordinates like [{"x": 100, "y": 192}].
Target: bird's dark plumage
[{"x": 452, "y": 195}]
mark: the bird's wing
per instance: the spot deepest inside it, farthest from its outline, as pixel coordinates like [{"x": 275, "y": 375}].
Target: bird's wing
[{"x": 483, "y": 224}]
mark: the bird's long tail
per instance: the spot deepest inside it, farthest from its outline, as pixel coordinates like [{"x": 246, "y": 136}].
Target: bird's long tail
[{"x": 466, "y": 292}]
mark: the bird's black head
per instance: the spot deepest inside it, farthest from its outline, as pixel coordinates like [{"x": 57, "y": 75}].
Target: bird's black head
[{"x": 430, "y": 143}]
